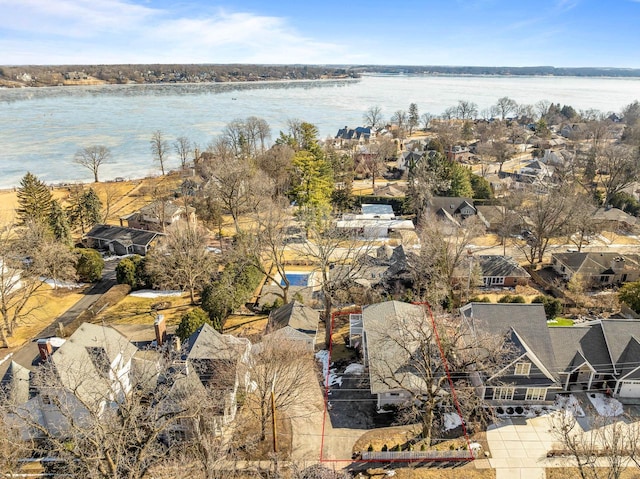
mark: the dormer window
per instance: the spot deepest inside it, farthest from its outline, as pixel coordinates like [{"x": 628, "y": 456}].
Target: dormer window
[{"x": 522, "y": 369}]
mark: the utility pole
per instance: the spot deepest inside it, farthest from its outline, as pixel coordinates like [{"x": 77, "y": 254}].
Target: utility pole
[{"x": 273, "y": 416}]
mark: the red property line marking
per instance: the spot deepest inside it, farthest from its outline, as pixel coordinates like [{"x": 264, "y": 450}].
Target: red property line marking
[
  {"x": 453, "y": 393},
  {"x": 453, "y": 390}
]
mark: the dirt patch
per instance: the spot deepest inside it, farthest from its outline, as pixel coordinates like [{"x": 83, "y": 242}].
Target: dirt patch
[
  {"x": 246, "y": 326},
  {"x": 468, "y": 471},
  {"x": 135, "y": 310}
]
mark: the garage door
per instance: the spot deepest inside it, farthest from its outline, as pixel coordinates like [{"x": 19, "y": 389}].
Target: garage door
[{"x": 630, "y": 389}]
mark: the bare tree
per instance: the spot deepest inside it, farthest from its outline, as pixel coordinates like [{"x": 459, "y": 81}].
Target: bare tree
[
  {"x": 608, "y": 440},
  {"x": 258, "y": 130},
  {"x": 283, "y": 367},
  {"x": 373, "y": 117},
  {"x": 504, "y": 106},
  {"x": 542, "y": 108},
  {"x": 21, "y": 266},
  {"x": 276, "y": 163},
  {"x": 466, "y": 110},
  {"x": 617, "y": 167},
  {"x": 267, "y": 244},
  {"x": 399, "y": 118},
  {"x": 233, "y": 182},
  {"x": 426, "y": 118},
  {"x": 182, "y": 260},
  {"x": 119, "y": 431},
  {"x": 159, "y": 149},
  {"x": 547, "y": 217},
  {"x": 336, "y": 255},
  {"x": 443, "y": 247},
  {"x": 413, "y": 353},
  {"x": 92, "y": 158},
  {"x": 582, "y": 224},
  {"x": 379, "y": 153},
  {"x": 183, "y": 149}
]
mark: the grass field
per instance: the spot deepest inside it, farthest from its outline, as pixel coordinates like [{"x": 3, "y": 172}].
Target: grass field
[
  {"x": 560, "y": 322},
  {"x": 135, "y": 310},
  {"x": 47, "y": 305}
]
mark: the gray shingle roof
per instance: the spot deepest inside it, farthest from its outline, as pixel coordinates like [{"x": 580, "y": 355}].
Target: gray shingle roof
[
  {"x": 124, "y": 236},
  {"x": 297, "y": 316},
  {"x": 207, "y": 343},
  {"x": 528, "y": 321},
  {"x": 586, "y": 341},
  {"x": 384, "y": 325},
  {"x": 595, "y": 263},
  {"x": 451, "y": 205}
]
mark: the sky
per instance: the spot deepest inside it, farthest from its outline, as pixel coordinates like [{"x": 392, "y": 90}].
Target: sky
[{"x": 561, "y": 33}]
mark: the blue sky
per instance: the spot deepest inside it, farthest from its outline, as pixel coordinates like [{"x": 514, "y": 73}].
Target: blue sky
[{"x": 405, "y": 32}]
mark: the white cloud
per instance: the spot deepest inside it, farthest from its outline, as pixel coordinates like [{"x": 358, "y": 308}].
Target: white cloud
[{"x": 114, "y": 31}]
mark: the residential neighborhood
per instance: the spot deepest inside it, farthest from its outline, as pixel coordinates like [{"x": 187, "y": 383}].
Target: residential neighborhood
[{"x": 394, "y": 297}]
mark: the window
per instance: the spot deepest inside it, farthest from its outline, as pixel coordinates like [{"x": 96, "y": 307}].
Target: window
[
  {"x": 503, "y": 393},
  {"x": 522, "y": 369},
  {"x": 536, "y": 394},
  {"x": 604, "y": 279}
]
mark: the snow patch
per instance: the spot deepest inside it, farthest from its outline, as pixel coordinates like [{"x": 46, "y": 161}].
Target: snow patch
[
  {"x": 151, "y": 293},
  {"x": 62, "y": 284},
  {"x": 330, "y": 376},
  {"x": 354, "y": 368},
  {"x": 605, "y": 405},
  {"x": 452, "y": 420},
  {"x": 570, "y": 404}
]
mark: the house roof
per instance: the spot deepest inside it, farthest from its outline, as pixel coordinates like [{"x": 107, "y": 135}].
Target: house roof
[
  {"x": 614, "y": 214},
  {"x": 450, "y": 204},
  {"x": 297, "y": 316},
  {"x": 122, "y": 235},
  {"x": 207, "y": 343},
  {"x": 610, "y": 346},
  {"x": 154, "y": 208},
  {"x": 527, "y": 321},
  {"x": 373, "y": 209},
  {"x": 15, "y": 383},
  {"x": 389, "y": 363},
  {"x": 595, "y": 263},
  {"x": 85, "y": 360},
  {"x": 497, "y": 265},
  {"x": 575, "y": 345}
]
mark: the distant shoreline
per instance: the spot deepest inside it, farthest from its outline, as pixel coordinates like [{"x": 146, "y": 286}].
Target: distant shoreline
[{"x": 94, "y": 75}]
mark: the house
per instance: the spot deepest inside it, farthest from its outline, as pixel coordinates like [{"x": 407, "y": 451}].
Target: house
[
  {"x": 390, "y": 191},
  {"x": 120, "y": 240},
  {"x": 461, "y": 154},
  {"x": 158, "y": 215},
  {"x": 390, "y": 372},
  {"x": 602, "y": 355},
  {"x": 449, "y": 206},
  {"x": 614, "y": 219},
  {"x": 359, "y": 134},
  {"x": 495, "y": 270},
  {"x": 389, "y": 269},
  {"x": 294, "y": 321},
  {"x": 375, "y": 221},
  {"x": 409, "y": 159},
  {"x": 535, "y": 173},
  {"x": 597, "y": 268},
  {"x": 216, "y": 363},
  {"x": 530, "y": 376},
  {"x": 93, "y": 370}
]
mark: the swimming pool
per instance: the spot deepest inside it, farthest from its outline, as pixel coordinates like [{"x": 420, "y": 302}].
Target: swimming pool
[{"x": 296, "y": 279}]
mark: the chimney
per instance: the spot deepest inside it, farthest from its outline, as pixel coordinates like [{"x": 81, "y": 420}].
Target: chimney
[
  {"x": 161, "y": 330},
  {"x": 175, "y": 343},
  {"x": 45, "y": 349}
]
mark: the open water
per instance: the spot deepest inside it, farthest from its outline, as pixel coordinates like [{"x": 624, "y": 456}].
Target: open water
[{"x": 42, "y": 128}]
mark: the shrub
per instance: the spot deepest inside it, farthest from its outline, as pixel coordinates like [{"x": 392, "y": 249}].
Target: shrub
[
  {"x": 423, "y": 447},
  {"x": 384, "y": 448},
  {"x": 396, "y": 448},
  {"x": 90, "y": 265},
  {"x": 190, "y": 322},
  {"x": 370, "y": 448},
  {"x": 510, "y": 298},
  {"x": 552, "y": 306},
  {"x": 480, "y": 299},
  {"x": 131, "y": 271}
]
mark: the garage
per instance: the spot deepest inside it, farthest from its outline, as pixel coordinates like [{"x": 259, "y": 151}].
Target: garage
[{"x": 629, "y": 389}]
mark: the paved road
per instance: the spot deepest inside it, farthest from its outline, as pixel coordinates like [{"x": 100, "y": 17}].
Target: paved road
[{"x": 28, "y": 353}]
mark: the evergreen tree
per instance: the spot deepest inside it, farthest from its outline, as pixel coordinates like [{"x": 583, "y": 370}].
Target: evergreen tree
[
  {"x": 85, "y": 208},
  {"x": 59, "y": 223},
  {"x": 90, "y": 265},
  {"x": 34, "y": 200},
  {"x": 190, "y": 322}
]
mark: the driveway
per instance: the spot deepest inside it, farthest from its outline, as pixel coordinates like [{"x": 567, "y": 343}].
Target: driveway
[{"x": 519, "y": 447}]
